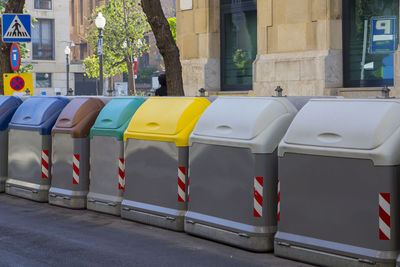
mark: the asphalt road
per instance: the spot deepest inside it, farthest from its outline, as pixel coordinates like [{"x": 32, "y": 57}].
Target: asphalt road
[{"x": 37, "y": 234}]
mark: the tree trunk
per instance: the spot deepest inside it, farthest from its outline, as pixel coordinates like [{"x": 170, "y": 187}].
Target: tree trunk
[
  {"x": 12, "y": 6},
  {"x": 131, "y": 78},
  {"x": 166, "y": 45}
]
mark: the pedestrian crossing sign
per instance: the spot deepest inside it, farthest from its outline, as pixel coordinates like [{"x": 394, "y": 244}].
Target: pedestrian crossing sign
[{"x": 16, "y": 28}]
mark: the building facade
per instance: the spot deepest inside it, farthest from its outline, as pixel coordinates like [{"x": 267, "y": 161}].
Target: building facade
[
  {"x": 308, "y": 47},
  {"x": 50, "y": 36}
]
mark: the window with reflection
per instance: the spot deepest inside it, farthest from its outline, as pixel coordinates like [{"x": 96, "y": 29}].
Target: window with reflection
[
  {"x": 370, "y": 37},
  {"x": 238, "y": 43}
]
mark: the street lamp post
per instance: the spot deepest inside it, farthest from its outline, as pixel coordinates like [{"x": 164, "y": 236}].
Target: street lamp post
[
  {"x": 67, "y": 52},
  {"x": 100, "y": 22}
]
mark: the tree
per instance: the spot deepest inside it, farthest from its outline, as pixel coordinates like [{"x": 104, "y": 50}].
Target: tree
[
  {"x": 123, "y": 39},
  {"x": 166, "y": 45},
  {"x": 11, "y": 6}
]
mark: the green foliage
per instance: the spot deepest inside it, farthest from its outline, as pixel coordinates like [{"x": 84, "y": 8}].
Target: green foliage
[
  {"x": 123, "y": 37},
  {"x": 241, "y": 59},
  {"x": 172, "y": 26}
]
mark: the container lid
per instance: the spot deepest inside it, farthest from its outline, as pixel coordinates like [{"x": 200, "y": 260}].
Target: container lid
[
  {"x": 78, "y": 117},
  {"x": 169, "y": 119},
  {"x": 239, "y": 121},
  {"x": 38, "y": 113},
  {"x": 339, "y": 126},
  {"x": 8, "y": 106},
  {"x": 115, "y": 117}
]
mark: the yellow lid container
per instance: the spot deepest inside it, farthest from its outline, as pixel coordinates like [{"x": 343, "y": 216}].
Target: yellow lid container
[{"x": 169, "y": 119}]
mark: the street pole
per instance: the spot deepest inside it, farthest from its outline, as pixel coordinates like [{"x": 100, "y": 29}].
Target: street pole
[
  {"x": 67, "y": 52},
  {"x": 101, "y": 63},
  {"x": 67, "y": 73},
  {"x": 100, "y": 22}
]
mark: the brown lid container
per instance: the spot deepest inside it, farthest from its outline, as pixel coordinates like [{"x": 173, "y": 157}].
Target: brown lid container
[{"x": 78, "y": 117}]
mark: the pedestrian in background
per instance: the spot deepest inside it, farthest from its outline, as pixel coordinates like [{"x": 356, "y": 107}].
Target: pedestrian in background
[{"x": 162, "y": 80}]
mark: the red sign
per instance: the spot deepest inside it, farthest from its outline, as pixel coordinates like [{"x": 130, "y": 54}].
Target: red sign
[
  {"x": 17, "y": 83},
  {"x": 15, "y": 57},
  {"x": 135, "y": 67}
]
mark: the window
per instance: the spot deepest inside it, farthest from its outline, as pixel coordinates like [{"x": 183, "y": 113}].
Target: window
[
  {"x": 43, "y": 80},
  {"x": 238, "y": 43},
  {"x": 73, "y": 12},
  {"x": 144, "y": 60},
  {"x": 42, "y": 4},
  {"x": 43, "y": 40},
  {"x": 82, "y": 51},
  {"x": 81, "y": 11},
  {"x": 367, "y": 48}
]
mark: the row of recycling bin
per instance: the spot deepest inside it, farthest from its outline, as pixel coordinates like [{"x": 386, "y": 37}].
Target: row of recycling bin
[{"x": 319, "y": 185}]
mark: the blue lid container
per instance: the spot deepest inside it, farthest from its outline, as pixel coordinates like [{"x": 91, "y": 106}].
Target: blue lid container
[
  {"x": 8, "y": 106},
  {"x": 38, "y": 114},
  {"x": 115, "y": 117}
]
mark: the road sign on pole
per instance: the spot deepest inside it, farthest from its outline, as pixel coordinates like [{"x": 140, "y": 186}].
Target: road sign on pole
[
  {"x": 15, "y": 57},
  {"x": 17, "y": 83},
  {"x": 16, "y": 28},
  {"x": 100, "y": 47}
]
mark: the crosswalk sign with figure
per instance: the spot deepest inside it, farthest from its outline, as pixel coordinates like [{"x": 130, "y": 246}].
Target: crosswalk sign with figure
[{"x": 16, "y": 28}]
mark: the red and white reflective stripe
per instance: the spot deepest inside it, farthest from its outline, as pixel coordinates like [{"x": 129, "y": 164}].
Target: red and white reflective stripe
[
  {"x": 121, "y": 174},
  {"x": 258, "y": 196},
  {"x": 181, "y": 184},
  {"x": 279, "y": 200},
  {"x": 188, "y": 184},
  {"x": 75, "y": 166},
  {"x": 45, "y": 164},
  {"x": 384, "y": 216}
]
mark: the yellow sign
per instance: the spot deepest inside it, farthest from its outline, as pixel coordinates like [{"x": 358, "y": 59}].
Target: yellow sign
[{"x": 17, "y": 83}]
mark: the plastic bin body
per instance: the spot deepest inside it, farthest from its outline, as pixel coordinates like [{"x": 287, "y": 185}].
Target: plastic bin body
[
  {"x": 156, "y": 158},
  {"x": 107, "y": 155},
  {"x": 71, "y": 149},
  {"x": 233, "y": 152},
  {"x": 8, "y": 106},
  {"x": 29, "y": 155},
  {"x": 338, "y": 163}
]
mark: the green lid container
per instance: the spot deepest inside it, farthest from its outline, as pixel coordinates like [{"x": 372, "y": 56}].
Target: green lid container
[{"x": 115, "y": 117}]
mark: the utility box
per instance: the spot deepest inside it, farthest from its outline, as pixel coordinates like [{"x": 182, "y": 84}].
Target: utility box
[
  {"x": 107, "y": 161},
  {"x": 8, "y": 106},
  {"x": 29, "y": 155},
  {"x": 338, "y": 183},
  {"x": 234, "y": 170},
  {"x": 156, "y": 160},
  {"x": 71, "y": 146}
]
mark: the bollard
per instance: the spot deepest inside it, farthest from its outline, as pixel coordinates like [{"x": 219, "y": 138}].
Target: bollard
[
  {"x": 385, "y": 92},
  {"x": 202, "y": 92},
  {"x": 27, "y": 92},
  {"x": 70, "y": 92},
  {"x": 278, "y": 91}
]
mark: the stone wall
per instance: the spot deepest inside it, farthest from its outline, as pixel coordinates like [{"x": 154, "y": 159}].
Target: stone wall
[
  {"x": 299, "y": 47},
  {"x": 199, "y": 44}
]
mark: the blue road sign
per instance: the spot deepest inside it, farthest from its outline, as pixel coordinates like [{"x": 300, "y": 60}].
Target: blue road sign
[
  {"x": 99, "y": 47},
  {"x": 383, "y": 35},
  {"x": 15, "y": 57},
  {"x": 16, "y": 28}
]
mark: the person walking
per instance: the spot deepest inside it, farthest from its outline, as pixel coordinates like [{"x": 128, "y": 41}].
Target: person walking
[{"x": 162, "y": 90}]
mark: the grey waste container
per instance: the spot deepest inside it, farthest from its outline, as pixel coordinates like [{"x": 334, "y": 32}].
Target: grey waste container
[
  {"x": 107, "y": 161},
  {"x": 29, "y": 161},
  {"x": 156, "y": 159},
  {"x": 70, "y": 183},
  {"x": 339, "y": 172},
  {"x": 8, "y": 106},
  {"x": 233, "y": 170}
]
